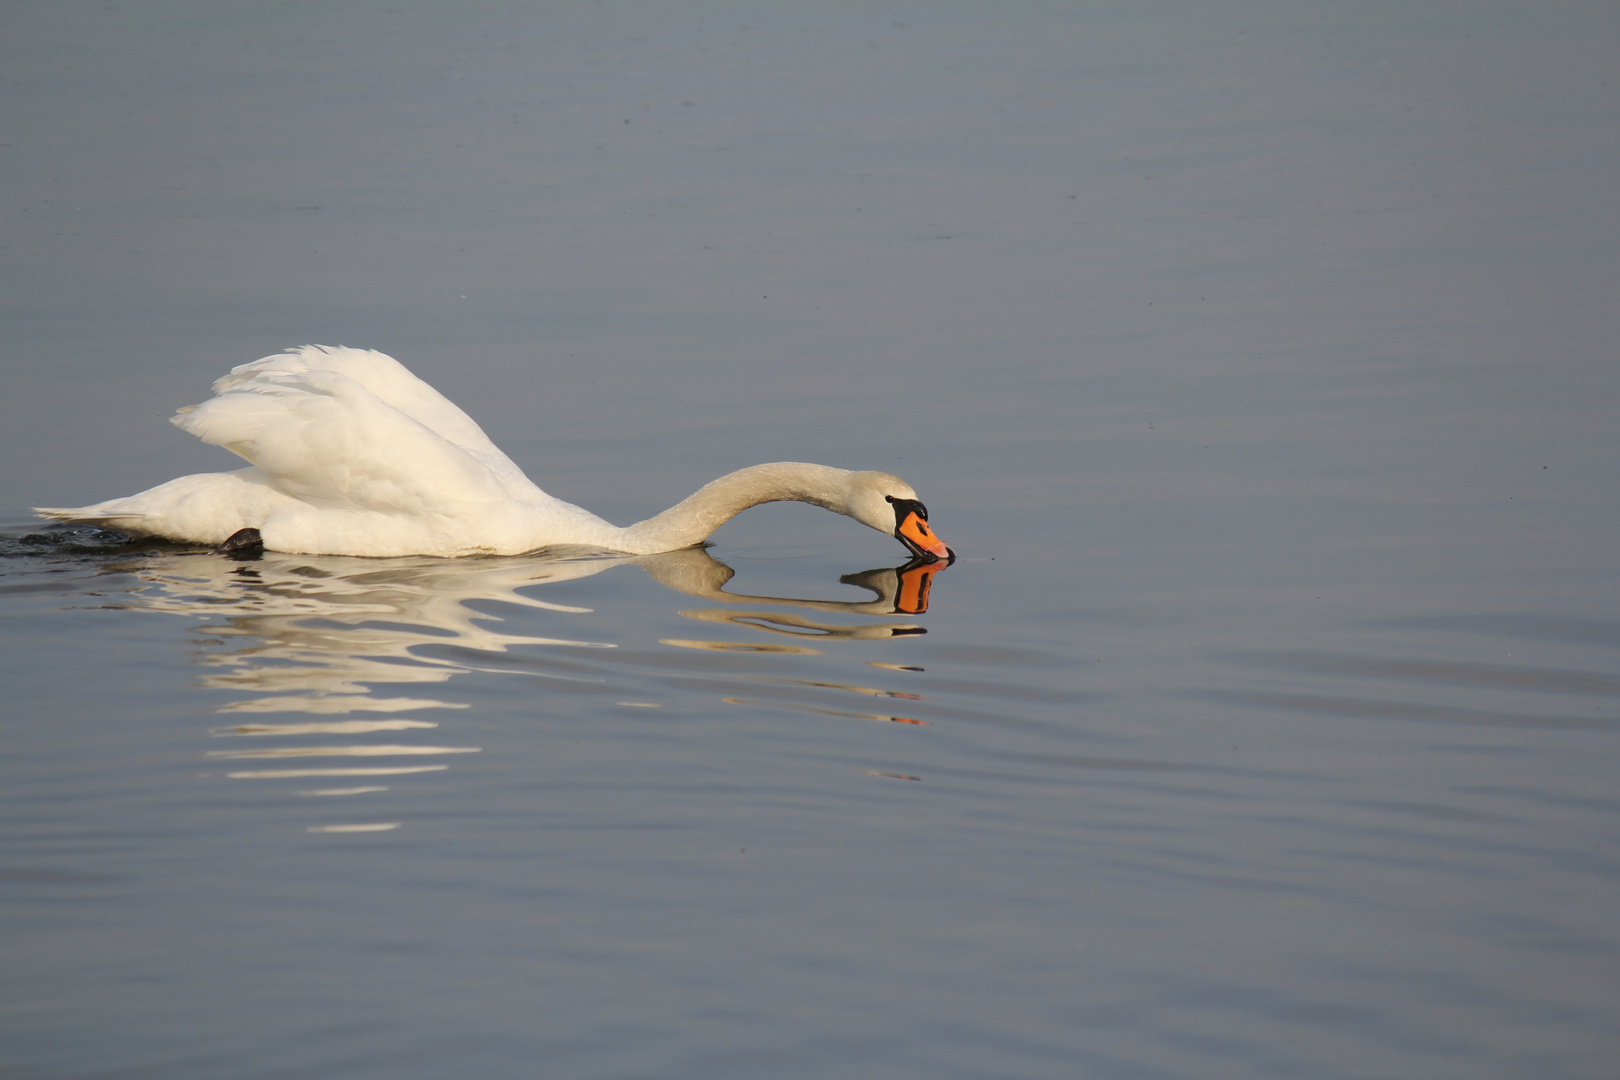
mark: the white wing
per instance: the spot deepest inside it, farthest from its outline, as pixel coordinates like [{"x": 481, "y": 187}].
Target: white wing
[
  {"x": 326, "y": 440},
  {"x": 351, "y": 455},
  {"x": 391, "y": 382}
]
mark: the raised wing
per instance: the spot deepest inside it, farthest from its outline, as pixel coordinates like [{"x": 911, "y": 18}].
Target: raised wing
[
  {"x": 391, "y": 382},
  {"x": 324, "y": 438}
]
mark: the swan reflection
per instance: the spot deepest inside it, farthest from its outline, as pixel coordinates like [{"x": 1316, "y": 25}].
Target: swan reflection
[
  {"x": 899, "y": 591},
  {"x": 311, "y": 634},
  {"x": 303, "y": 641}
]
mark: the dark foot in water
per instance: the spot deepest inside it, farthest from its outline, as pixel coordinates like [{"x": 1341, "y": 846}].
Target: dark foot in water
[{"x": 244, "y": 545}]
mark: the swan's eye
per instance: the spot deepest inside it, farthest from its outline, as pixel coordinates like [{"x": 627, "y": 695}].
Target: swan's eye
[{"x": 888, "y": 498}]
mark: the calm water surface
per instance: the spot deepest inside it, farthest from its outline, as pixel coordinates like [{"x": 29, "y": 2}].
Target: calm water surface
[{"x": 1259, "y": 364}]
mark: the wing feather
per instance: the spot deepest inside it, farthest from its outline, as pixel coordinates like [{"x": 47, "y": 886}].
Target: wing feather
[
  {"x": 324, "y": 438},
  {"x": 391, "y": 382}
]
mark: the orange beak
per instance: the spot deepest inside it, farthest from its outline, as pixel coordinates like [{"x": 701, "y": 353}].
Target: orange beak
[{"x": 914, "y": 532}]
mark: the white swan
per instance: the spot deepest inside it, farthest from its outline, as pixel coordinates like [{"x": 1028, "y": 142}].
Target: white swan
[{"x": 351, "y": 454}]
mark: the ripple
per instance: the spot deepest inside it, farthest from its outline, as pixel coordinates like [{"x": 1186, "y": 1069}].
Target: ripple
[
  {"x": 1604, "y": 633},
  {"x": 344, "y": 704},
  {"x": 362, "y": 750},
  {"x": 1411, "y": 712},
  {"x": 820, "y": 710},
  {"x": 777, "y": 622},
  {"x": 1450, "y": 673},
  {"x": 283, "y": 774},
  {"x": 738, "y": 646},
  {"x": 329, "y": 792},
  {"x": 337, "y": 727},
  {"x": 869, "y": 691}
]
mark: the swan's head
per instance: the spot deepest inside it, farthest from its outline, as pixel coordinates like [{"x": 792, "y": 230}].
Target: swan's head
[{"x": 889, "y": 505}]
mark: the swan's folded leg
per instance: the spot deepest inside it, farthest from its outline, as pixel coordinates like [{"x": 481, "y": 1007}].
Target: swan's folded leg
[{"x": 244, "y": 545}]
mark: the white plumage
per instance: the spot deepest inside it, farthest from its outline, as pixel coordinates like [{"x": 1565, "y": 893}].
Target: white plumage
[{"x": 351, "y": 454}]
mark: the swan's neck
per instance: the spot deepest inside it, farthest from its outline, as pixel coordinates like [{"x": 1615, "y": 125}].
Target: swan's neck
[{"x": 691, "y": 520}]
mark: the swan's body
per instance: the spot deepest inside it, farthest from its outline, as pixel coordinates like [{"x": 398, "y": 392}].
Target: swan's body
[{"x": 351, "y": 454}]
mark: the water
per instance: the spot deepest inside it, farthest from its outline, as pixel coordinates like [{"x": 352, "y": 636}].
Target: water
[{"x": 1258, "y": 362}]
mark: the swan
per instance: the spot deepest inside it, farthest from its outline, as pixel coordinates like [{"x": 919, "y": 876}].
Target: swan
[{"x": 351, "y": 454}]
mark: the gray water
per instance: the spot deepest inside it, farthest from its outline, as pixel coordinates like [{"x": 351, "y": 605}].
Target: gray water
[{"x": 1258, "y": 360}]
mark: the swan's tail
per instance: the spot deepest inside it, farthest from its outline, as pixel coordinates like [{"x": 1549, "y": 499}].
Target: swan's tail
[
  {"x": 61, "y": 513},
  {"x": 204, "y": 509},
  {"x": 99, "y": 517}
]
